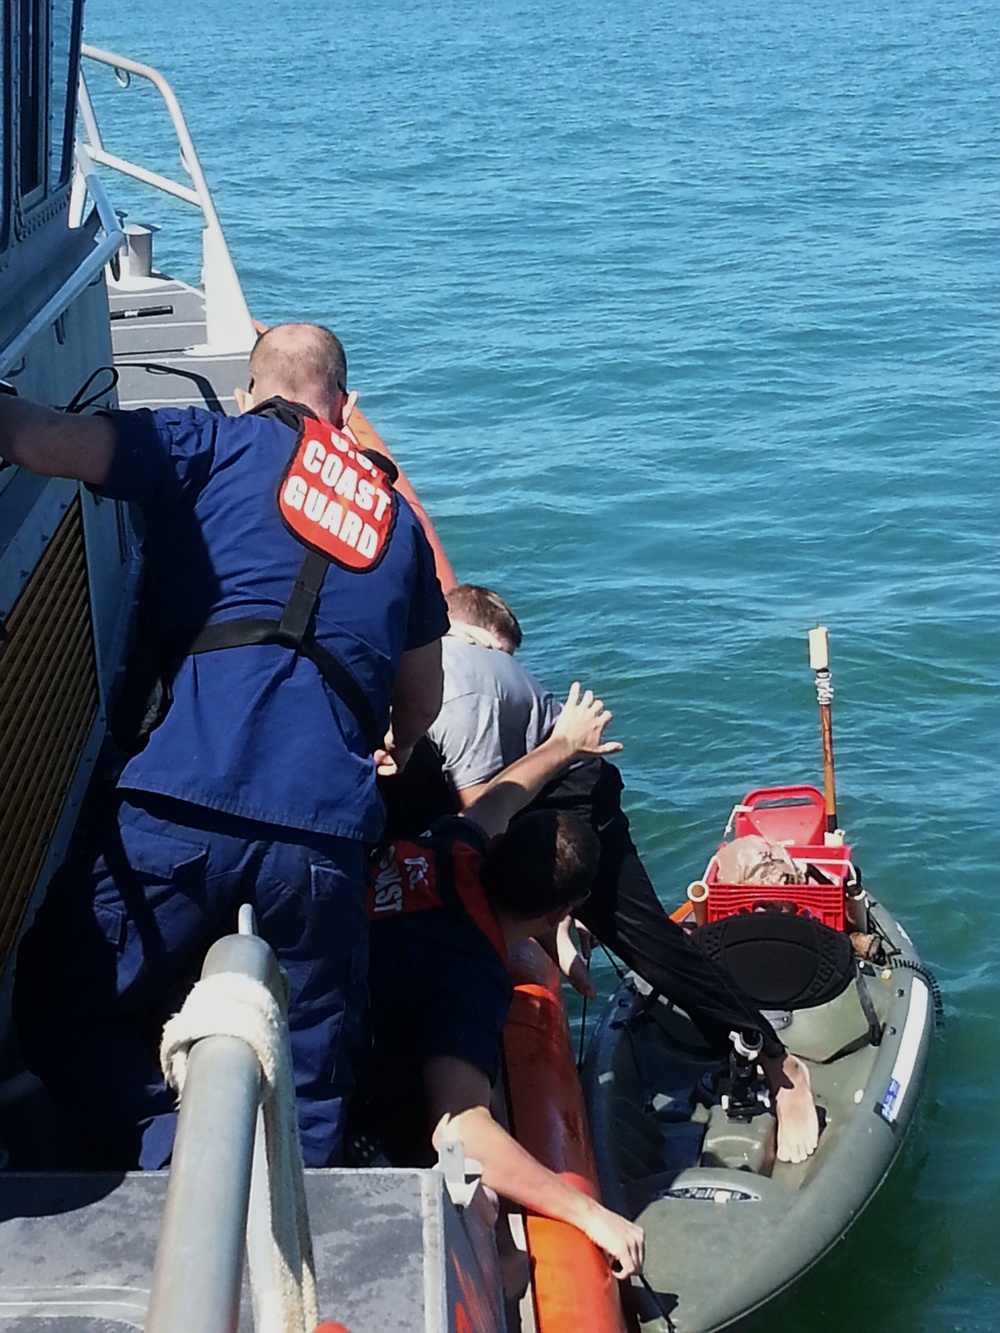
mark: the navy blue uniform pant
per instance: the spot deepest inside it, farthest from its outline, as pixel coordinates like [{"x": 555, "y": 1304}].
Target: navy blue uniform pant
[{"x": 120, "y": 939}]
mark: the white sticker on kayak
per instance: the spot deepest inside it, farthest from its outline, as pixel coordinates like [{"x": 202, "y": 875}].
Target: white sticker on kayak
[
  {"x": 711, "y": 1194},
  {"x": 906, "y": 1057}
]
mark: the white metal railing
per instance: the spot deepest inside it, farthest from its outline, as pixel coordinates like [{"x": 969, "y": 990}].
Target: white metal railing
[
  {"x": 227, "y": 317},
  {"x": 85, "y": 272},
  {"x": 236, "y": 1186}
]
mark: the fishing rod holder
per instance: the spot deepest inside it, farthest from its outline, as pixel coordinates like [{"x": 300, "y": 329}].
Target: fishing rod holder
[{"x": 740, "y": 1089}]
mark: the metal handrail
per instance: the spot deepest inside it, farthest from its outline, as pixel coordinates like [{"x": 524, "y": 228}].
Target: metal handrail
[
  {"x": 227, "y": 316},
  {"x": 197, "y": 1277},
  {"x": 83, "y": 275}
]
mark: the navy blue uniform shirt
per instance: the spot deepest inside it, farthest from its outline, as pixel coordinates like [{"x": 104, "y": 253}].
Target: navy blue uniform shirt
[{"x": 255, "y": 731}]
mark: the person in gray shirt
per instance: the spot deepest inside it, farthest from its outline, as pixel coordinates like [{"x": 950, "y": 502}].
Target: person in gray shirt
[{"x": 493, "y": 711}]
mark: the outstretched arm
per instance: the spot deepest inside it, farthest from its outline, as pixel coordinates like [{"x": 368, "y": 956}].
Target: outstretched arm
[
  {"x": 54, "y": 444},
  {"x": 577, "y": 733},
  {"x": 458, "y": 1100}
]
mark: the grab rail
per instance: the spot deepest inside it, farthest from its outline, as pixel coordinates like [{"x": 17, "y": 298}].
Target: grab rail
[
  {"x": 218, "y": 1196},
  {"x": 227, "y": 316},
  {"x": 82, "y": 276}
]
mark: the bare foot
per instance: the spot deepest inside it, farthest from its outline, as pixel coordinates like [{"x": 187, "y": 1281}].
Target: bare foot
[{"x": 791, "y": 1091}]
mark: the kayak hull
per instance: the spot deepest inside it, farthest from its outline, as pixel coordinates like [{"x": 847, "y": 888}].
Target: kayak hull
[{"x": 727, "y": 1226}]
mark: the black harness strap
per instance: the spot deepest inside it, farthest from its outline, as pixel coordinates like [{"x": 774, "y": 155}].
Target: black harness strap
[
  {"x": 440, "y": 851},
  {"x": 868, "y": 1008},
  {"x": 297, "y": 615},
  {"x": 293, "y": 631}
]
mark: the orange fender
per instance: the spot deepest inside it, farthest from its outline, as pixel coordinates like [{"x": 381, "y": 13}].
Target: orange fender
[{"x": 574, "y": 1286}]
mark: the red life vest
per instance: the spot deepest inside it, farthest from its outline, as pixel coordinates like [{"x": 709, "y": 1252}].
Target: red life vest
[
  {"x": 336, "y": 500},
  {"x": 419, "y": 876}
]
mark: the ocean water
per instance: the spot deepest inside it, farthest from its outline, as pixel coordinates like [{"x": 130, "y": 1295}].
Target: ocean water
[{"x": 683, "y": 320}]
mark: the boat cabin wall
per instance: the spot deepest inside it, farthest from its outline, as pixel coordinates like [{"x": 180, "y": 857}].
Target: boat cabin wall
[{"x": 68, "y": 559}]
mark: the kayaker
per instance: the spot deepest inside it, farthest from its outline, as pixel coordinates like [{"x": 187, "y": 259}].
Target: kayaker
[
  {"x": 289, "y": 599},
  {"x": 445, "y": 907},
  {"x": 493, "y": 712}
]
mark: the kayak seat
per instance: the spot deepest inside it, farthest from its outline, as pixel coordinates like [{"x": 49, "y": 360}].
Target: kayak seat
[
  {"x": 782, "y": 961},
  {"x": 798, "y": 964},
  {"x": 826, "y": 1031}
]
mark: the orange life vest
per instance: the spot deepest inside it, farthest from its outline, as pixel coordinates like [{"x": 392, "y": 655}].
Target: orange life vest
[{"x": 420, "y": 875}]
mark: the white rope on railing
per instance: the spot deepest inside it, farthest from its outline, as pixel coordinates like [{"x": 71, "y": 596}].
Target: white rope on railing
[{"x": 233, "y": 1005}]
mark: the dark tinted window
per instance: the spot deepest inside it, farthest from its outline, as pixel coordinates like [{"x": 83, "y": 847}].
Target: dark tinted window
[
  {"x": 32, "y": 98},
  {"x": 4, "y": 124},
  {"x": 63, "y": 20}
]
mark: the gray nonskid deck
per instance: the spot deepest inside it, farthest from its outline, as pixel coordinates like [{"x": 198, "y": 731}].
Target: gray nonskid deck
[
  {"x": 77, "y": 1251},
  {"x": 162, "y": 358}
]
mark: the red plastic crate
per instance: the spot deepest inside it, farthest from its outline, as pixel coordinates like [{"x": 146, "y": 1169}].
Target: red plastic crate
[
  {"x": 823, "y": 901},
  {"x": 796, "y": 818}
]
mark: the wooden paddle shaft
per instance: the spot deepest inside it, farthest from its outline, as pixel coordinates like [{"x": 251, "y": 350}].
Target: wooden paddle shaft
[
  {"x": 829, "y": 787},
  {"x": 819, "y": 660}
]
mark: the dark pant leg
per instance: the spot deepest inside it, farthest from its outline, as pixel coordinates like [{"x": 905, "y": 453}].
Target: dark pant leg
[
  {"x": 310, "y": 909},
  {"x": 118, "y": 928},
  {"x": 625, "y": 914}
]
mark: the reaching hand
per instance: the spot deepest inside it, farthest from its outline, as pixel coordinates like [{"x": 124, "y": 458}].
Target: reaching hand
[
  {"x": 571, "y": 964},
  {"x": 586, "y": 940},
  {"x": 621, "y": 1240},
  {"x": 582, "y": 721},
  {"x": 390, "y": 758}
]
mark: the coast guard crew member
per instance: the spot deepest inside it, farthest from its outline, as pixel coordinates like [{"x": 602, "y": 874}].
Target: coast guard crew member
[
  {"x": 291, "y": 597},
  {"x": 445, "y": 908}
]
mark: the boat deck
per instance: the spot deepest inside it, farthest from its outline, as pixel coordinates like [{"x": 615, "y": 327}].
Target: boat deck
[
  {"x": 77, "y": 1250},
  {"x": 159, "y": 335}
]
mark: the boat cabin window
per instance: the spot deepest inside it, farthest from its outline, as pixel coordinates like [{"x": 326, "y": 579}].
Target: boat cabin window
[
  {"x": 42, "y": 74},
  {"x": 64, "y": 24},
  {"x": 30, "y": 93},
  {"x": 5, "y": 122}
]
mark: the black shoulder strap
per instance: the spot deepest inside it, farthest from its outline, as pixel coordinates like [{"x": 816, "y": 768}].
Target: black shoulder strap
[
  {"x": 442, "y": 847},
  {"x": 293, "y": 631},
  {"x": 297, "y": 615},
  {"x": 465, "y": 898}
]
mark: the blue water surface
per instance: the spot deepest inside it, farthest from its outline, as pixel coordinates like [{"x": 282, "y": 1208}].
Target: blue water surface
[{"x": 683, "y": 320}]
